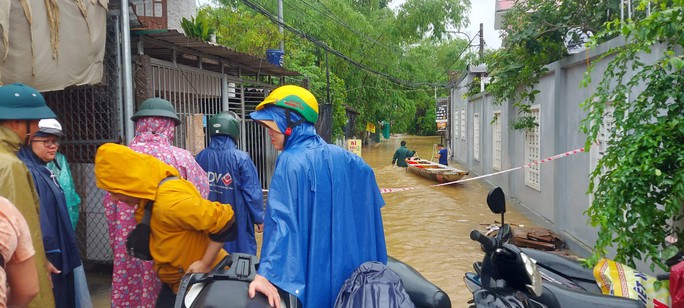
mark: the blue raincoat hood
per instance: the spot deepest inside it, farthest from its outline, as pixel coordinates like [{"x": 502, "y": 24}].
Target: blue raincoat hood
[
  {"x": 323, "y": 215},
  {"x": 233, "y": 180},
  {"x": 59, "y": 238},
  {"x": 302, "y": 133}
]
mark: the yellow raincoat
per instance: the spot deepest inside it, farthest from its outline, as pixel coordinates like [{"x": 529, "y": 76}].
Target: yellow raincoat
[
  {"x": 16, "y": 184},
  {"x": 181, "y": 219}
]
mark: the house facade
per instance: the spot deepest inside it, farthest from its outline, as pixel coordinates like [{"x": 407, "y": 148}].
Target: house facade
[
  {"x": 550, "y": 188},
  {"x": 199, "y": 78}
]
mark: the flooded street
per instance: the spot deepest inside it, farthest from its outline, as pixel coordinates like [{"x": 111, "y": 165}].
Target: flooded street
[{"x": 428, "y": 228}]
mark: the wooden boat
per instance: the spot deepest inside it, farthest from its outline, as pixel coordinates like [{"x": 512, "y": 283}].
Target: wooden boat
[{"x": 434, "y": 171}]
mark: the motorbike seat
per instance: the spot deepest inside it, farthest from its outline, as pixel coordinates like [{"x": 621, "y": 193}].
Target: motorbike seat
[
  {"x": 560, "y": 265},
  {"x": 558, "y": 296}
]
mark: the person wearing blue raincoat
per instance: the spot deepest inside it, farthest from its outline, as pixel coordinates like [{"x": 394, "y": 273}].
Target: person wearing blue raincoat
[
  {"x": 59, "y": 238},
  {"x": 233, "y": 180},
  {"x": 323, "y": 215}
]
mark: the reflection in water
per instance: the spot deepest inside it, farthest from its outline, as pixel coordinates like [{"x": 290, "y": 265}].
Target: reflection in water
[{"x": 429, "y": 228}]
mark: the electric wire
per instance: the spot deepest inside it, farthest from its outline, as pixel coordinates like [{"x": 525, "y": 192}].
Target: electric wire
[
  {"x": 343, "y": 24},
  {"x": 321, "y": 44}
]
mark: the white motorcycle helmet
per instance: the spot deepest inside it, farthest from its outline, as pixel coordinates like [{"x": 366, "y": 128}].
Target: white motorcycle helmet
[{"x": 50, "y": 127}]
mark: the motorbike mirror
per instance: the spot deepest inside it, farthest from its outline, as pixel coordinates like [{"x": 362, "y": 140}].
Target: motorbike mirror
[{"x": 496, "y": 200}]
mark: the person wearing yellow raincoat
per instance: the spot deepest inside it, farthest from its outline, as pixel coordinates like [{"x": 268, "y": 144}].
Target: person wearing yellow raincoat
[{"x": 188, "y": 231}]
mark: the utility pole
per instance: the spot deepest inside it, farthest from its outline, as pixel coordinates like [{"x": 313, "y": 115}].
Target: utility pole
[
  {"x": 481, "y": 42},
  {"x": 280, "y": 26}
]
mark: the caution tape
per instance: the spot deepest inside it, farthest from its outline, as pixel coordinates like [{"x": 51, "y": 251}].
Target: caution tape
[{"x": 536, "y": 162}]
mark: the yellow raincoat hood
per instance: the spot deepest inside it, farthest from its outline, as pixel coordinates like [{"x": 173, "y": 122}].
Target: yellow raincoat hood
[{"x": 120, "y": 170}]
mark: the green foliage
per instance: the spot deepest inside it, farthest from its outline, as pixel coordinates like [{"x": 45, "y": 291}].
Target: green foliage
[
  {"x": 534, "y": 36},
  {"x": 370, "y": 34},
  {"x": 638, "y": 185},
  {"x": 198, "y": 27}
]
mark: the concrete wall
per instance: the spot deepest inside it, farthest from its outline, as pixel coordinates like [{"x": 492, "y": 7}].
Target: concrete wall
[
  {"x": 177, "y": 9},
  {"x": 562, "y": 200}
]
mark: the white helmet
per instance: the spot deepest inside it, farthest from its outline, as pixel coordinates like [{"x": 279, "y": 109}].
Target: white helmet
[{"x": 51, "y": 127}]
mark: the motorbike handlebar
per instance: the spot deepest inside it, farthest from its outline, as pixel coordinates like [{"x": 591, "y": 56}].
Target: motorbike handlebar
[{"x": 488, "y": 244}]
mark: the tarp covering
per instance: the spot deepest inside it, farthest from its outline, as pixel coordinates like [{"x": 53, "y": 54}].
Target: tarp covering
[{"x": 53, "y": 44}]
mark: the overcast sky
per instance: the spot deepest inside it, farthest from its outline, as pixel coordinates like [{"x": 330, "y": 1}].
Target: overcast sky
[{"x": 481, "y": 11}]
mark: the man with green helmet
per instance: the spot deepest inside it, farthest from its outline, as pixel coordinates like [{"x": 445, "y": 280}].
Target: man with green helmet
[
  {"x": 21, "y": 108},
  {"x": 233, "y": 180}
]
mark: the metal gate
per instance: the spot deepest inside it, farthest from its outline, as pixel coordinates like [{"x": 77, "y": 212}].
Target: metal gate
[{"x": 91, "y": 116}]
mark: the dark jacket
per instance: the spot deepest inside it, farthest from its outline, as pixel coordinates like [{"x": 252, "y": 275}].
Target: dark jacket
[
  {"x": 58, "y": 234},
  {"x": 233, "y": 180},
  {"x": 401, "y": 154}
]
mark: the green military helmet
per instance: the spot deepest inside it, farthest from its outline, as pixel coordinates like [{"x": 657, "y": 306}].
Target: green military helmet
[
  {"x": 21, "y": 102},
  {"x": 156, "y": 107},
  {"x": 225, "y": 123}
]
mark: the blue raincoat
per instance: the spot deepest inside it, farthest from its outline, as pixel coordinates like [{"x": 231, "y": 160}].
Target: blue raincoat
[
  {"x": 233, "y": 180},
  {"x": 323, "y": 215},
  {"x": 59, "y": 238}
]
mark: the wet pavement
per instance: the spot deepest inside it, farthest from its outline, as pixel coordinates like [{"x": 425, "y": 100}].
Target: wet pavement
[{"x": 427, "y": 228}]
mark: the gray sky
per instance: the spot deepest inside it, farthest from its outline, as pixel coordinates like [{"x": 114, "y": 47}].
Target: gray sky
[{"x": 481, "y": 11}]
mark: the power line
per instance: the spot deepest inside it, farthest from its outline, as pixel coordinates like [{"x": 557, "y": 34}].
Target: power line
[
  {"x": 318, "y": 43},
  {"x": 343, "y": 24}
]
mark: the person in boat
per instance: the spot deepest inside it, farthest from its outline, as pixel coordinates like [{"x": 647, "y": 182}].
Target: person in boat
[
  {"x": 187, "y": 231},
  {"x": 442, "y": 155},
  {"x": 233, "y": 180},
  {"x": 59, "y": 238},
  {"x": 401, "y": 154},
  {"x": 323, "y": 210},
  {"x": 134, "y": 282}
]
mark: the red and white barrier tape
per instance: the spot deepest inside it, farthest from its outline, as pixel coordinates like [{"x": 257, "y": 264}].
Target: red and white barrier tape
[{"x": 536, "y": 162}]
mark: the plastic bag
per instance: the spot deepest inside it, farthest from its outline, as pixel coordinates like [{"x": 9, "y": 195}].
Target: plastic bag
[
  {"x": 619, "y": 280},
  {"x": 81, "y": 288},
  {"x": 372, "y": 284}
]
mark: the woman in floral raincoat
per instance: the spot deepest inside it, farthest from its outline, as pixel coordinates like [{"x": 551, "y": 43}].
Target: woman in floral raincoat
[{"x": 134, "y": 282}]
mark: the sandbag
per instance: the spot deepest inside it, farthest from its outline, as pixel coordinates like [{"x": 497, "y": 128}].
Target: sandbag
[{"x": 620, "y": 280}]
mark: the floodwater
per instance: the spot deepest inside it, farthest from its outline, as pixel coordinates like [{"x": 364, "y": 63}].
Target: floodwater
[{"x": 428, "y": 228}]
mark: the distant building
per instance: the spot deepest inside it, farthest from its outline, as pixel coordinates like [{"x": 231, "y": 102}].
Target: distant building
[{"x": 501, "y": 7}]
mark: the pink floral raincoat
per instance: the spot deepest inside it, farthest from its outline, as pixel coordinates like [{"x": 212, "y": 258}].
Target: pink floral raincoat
[{"x": 134, "y": 283}]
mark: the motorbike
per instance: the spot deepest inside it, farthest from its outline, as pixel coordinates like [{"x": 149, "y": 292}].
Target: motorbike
[
  {"x": 226, "y": 286},
  {"x": 564, "y": 271},
  {"x": 509, "y": 277}
]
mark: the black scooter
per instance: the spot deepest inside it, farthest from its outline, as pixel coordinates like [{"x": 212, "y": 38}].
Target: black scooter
[
  {"x": 226, "y": 286},
  {"x": 565, "y": 271},
  {"x": 509, "y": 277}
]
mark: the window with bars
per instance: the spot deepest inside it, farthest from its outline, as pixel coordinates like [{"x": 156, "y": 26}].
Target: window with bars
[
  {"x": 463, "y": 124},
  {"x": 604, "y": 135},
  {"x": 496, "y": 163},
  {"x": 532, "y": 151},
  {"x": 476, "y": 136},
  {"x": 152, "y": 14}
]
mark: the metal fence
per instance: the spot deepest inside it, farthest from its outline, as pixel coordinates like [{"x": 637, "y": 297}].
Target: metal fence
[{"x": 91, "y": 116}]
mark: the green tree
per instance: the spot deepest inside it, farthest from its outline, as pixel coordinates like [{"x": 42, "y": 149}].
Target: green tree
[
  {"x": 638, "y": 185},
  {"x": 535, "y": 33},
  {"x": 372, "y": 57}
]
